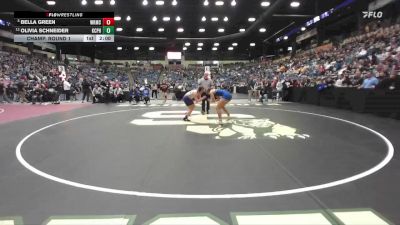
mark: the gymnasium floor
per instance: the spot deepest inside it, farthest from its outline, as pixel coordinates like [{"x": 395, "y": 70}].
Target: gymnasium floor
[{"x": 121, "y": 164}]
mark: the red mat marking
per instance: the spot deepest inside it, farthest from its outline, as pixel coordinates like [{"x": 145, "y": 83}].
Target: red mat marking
[{"x": 10, "y": 113}]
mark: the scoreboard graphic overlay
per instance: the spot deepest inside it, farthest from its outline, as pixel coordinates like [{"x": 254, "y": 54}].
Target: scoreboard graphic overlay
[{"x": 64, "y": 27}]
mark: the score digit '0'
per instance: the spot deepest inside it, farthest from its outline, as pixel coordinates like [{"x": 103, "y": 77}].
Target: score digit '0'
[{"x": 108, "y": 21}]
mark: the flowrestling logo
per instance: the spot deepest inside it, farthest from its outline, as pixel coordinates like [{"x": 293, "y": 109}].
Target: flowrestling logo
[
  {"x": 238, "y": 126},
  {"x": 372, "y": 14}
]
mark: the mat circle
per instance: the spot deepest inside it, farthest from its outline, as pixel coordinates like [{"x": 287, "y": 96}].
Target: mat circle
[{"x": 374, "y": 169}]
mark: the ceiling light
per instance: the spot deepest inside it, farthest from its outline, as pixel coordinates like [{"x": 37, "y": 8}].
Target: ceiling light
[
  {"x": 265, "y": 4},
  {"x": 112, "y": 2},
  {"x": 54, "y": 2},
  {"x": 216, "y": 44},
  {"x": 145, "y": 2},
  {"x": 187, "y": 44},
  {"x": 199, "y": 49},
  {"x": 136, "y": 48},
  {"x": 202, "y": 30},
  {"x": 151, "y": 48},
  {"x": 214, "y": 19},
  {"x": 203, "y": 19},
  {"x": 286, "y": 37},
  {"x": 200, "y": 44},
  {"x": 252, "y": 44},
  {"x": 128, "y": 18},
  {"x": 139, "y": 29},
  {"x": 226, "y": 19},
  {"x": 262, "y": 30},
  {"x": 295, "y": 4},
  {"x": 233, "y": 3},
  {"x": 119, "y": 29},
  {"x": 184, "y": 48},
  {"x": 97, "y": 2},
  {"x": 160, "y": 29},
  {"x": 180, "y": 30},
  {"x": 303, "y": 29},
  {"x": 117, "y": 18},
  {"x": 219, "y": 3},
  {"x": 206, "y": 3},
  {"x": 221, "y": 30},
  {"x": 214, "y": 48},
  {"x": 252, "y": 19},
  {"x": 119, "y": 48},
  {"x": 166, "y": 18},
  {"x": 154, "y": 18},
  {"x": 242, "y": 30},
  {"x": 84, "y": 2},
  {"x": 174, "y": 3},
  {"x": 235, "y": 44},
  {"x": 230, "y": 48},
  {"x": 178, "y": 18},
  {"x": 159, "y": 2}
]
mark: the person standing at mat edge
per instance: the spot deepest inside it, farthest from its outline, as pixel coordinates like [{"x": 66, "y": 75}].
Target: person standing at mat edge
[
  {"x": 190, "y": 99},
  {"x": 3, "y": 93},
  {"x": 86, "y": 89},
  {"x": 207, "y": 84},
  {"x": 164, "y": 89}
]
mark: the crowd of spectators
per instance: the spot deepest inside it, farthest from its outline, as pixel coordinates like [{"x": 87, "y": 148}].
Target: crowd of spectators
[{"x": 369, "y": 60}]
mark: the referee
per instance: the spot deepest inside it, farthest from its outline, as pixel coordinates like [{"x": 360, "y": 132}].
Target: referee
[{"x": 207, "y": 84}]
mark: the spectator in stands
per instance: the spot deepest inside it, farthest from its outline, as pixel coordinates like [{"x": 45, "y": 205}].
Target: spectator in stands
[
  {"x": 358, "y": 80},
  {"x": 74, "y": 91},
  {"x": 118, "y": 93},
  {"x": 54, "y": 94},
  {"x": 339, "y": 82},
  {"x": 37, "y": 94},
  {"x": 3, "y": 95},
  {"x": 321, "y": 85},
  {"x": 9, "y": 92},
  {"x": 390, "y": 84},
  {"x": 370, "y": 81},
  {"x": 97, "y": 94},
  {"x": 21, "y": 85},
  {"x": 2, "y": 91},
  {"x": 346, "y": 82}
]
